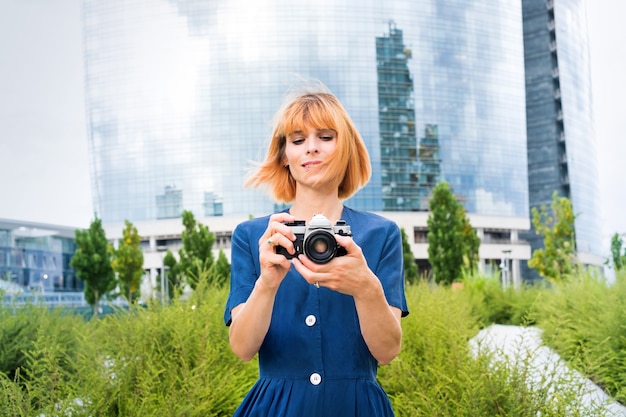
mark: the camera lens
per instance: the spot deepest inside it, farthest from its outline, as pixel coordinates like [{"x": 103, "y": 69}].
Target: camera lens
[{"x": 320, "y": 246}]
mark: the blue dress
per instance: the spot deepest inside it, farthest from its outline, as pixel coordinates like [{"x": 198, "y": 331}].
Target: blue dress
[{"x": 314, "y": 360}]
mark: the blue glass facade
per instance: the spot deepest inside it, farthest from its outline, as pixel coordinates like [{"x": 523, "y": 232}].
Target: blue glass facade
[
  {"x": 561, "y": 140},
  {"x": 180, "y": 97},
  {"x": 575, "y": 84},
  {"x": 37, "y": 257}
]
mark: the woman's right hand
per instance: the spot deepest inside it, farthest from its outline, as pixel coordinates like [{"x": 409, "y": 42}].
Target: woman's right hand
[{"x": 275, "y": 266}]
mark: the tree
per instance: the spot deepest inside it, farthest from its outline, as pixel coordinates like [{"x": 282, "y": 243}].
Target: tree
[
  {"x": 452, "y": 242},
  {"x": 471, "y": 244},
  {"x": 128, "y": 263},
  {"x": 618, "y": 259},
  {"x": 174, "y": 275},
  {"x": 196, "y": 255},
  {"x": 557, "y": 259},
  {"x": 410, "y": 267},
  {"x": 219, "y": 273},
  {"x": 92, "y": 263}
]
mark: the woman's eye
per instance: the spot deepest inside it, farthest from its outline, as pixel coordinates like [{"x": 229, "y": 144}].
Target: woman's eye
[
  {"x": 297, "y": 141},
  {"x": 327, "y": 138}
]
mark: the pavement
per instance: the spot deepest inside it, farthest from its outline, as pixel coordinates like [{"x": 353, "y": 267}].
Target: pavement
[{"x": 514, "y": 344}]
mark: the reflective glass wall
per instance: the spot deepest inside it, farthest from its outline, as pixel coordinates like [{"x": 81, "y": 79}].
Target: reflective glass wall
[
  {"x": 561, "y": 139},
  {"x": 181, "y": 94},
  {"x": 36, "y": 257},
  {"x": 581, "y": 152}
]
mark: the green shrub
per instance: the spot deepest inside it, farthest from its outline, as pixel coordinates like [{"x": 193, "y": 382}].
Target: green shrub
[
  {"x": 175, "y": 360},
  {"x": 437, "y": 374},
  {"x": 495, "y": 304},
  {"x": 21, "y": 327},
  {"x": 583, "y": 320},
  {"x": 13, "y": 401},
  {"x": 38, "y": 349},
  {"x": 167, "y": 361}
]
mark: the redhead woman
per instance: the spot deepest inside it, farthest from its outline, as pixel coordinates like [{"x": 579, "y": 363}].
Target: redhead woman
[{"x": 317, "y": 291}]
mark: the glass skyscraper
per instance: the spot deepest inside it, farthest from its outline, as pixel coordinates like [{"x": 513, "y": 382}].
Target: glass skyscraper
[
  {"x": 561, "y": 140},
  {"x": 181, "y": 94}
]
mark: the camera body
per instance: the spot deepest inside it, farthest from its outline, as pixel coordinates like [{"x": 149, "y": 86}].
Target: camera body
[{"x": 317, "y": 239}]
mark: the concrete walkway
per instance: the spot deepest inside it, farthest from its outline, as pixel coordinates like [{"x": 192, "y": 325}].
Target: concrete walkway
[{"x": 524, "y": 344}]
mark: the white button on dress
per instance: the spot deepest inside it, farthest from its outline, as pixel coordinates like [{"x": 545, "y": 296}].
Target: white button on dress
[
  {"x": 310, "y": 320},
  {"x": 315, "y": 378}
]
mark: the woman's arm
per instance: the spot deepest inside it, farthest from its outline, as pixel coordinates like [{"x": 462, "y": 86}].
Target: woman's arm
[
  {"x": 250, "y": 321},
  {"x": 380, "y": 323}
]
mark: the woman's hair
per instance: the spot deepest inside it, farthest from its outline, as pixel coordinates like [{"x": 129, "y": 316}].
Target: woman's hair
[{"x": 319, "y": 109}]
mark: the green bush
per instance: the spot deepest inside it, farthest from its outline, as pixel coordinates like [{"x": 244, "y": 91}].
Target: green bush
[
  {"x": 437, "y": 374},
  {"x": 167, "y": 361},
  {"x": 583, "y": 320},
  {"x": 175, "y": 360},
  {"x": 495, "y": 304},
  {"x": 38, "y": 347},
  {"x": 19, "y": 332}
]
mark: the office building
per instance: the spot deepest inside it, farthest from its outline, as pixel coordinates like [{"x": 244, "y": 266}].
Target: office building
[
  {"x": 560, "y": 135},
  {"x": 181, "y": 94},
  {"x": 36, "y": 257}
]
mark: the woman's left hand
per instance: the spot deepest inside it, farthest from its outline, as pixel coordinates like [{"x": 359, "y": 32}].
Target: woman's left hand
[{"x": 348, "y": 274}]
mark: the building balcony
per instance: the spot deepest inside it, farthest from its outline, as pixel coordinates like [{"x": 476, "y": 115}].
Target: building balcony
[
  {"x": 559, "y": 115},
  {"x": 553, "y": 46}
]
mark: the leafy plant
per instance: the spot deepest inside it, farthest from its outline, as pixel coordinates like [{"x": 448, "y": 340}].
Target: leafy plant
[
  {"x": 411, "y": 274},
  {"x": 452, "y": 243},
  {"x": 128, "y": 263},
  {"x": 174, "y": 275},
  {"x": 219, "y": 273},
  {"x": 92, "y": 263},
  {"x": 197, "y": 252},
  {"x": 438, "y": 372},
  {"x": 583, "y": 319},
  {"x": 38, "y": 347},
  {"x": 493, "y": 303},
  {"x": 556, "y": 261},
  {"x": 175, "y": 359},
  {"x": 167, "y": 360},
  {"x": 618, "y": 259}
]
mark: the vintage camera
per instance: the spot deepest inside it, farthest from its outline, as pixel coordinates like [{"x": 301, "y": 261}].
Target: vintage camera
[{"x": 317, "y": 239}]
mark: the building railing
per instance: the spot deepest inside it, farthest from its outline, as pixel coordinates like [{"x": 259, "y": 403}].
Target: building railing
[
  {"x": 52, "y": 299},
  {"x": 502, "y": 241}
]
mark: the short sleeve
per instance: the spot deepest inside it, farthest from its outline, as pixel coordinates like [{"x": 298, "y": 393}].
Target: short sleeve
[
  {"x": 390, "y": 268},
  {"x": 244, "y": 269}
]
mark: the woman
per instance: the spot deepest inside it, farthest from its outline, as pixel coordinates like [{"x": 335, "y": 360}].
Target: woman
[{"x": 320, "y": 329}]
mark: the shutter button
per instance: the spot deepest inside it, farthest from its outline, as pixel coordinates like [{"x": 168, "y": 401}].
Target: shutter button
[
  {"x": 315, "y": 379},
  {"x": 310, "y": 320}
]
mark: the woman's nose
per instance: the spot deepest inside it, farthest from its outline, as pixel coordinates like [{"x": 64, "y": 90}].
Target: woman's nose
[{"x": 312, "y": 145}]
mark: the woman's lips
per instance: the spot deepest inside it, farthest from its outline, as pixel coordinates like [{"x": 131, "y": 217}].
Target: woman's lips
[{"x": 311, "y": 164}]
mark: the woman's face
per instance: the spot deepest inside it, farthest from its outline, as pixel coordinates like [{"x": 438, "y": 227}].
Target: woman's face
[{"x": 307, "y": 153}]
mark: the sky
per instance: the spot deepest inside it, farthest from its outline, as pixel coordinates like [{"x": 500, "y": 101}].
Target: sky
[{"x": 44, "y": 161}]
